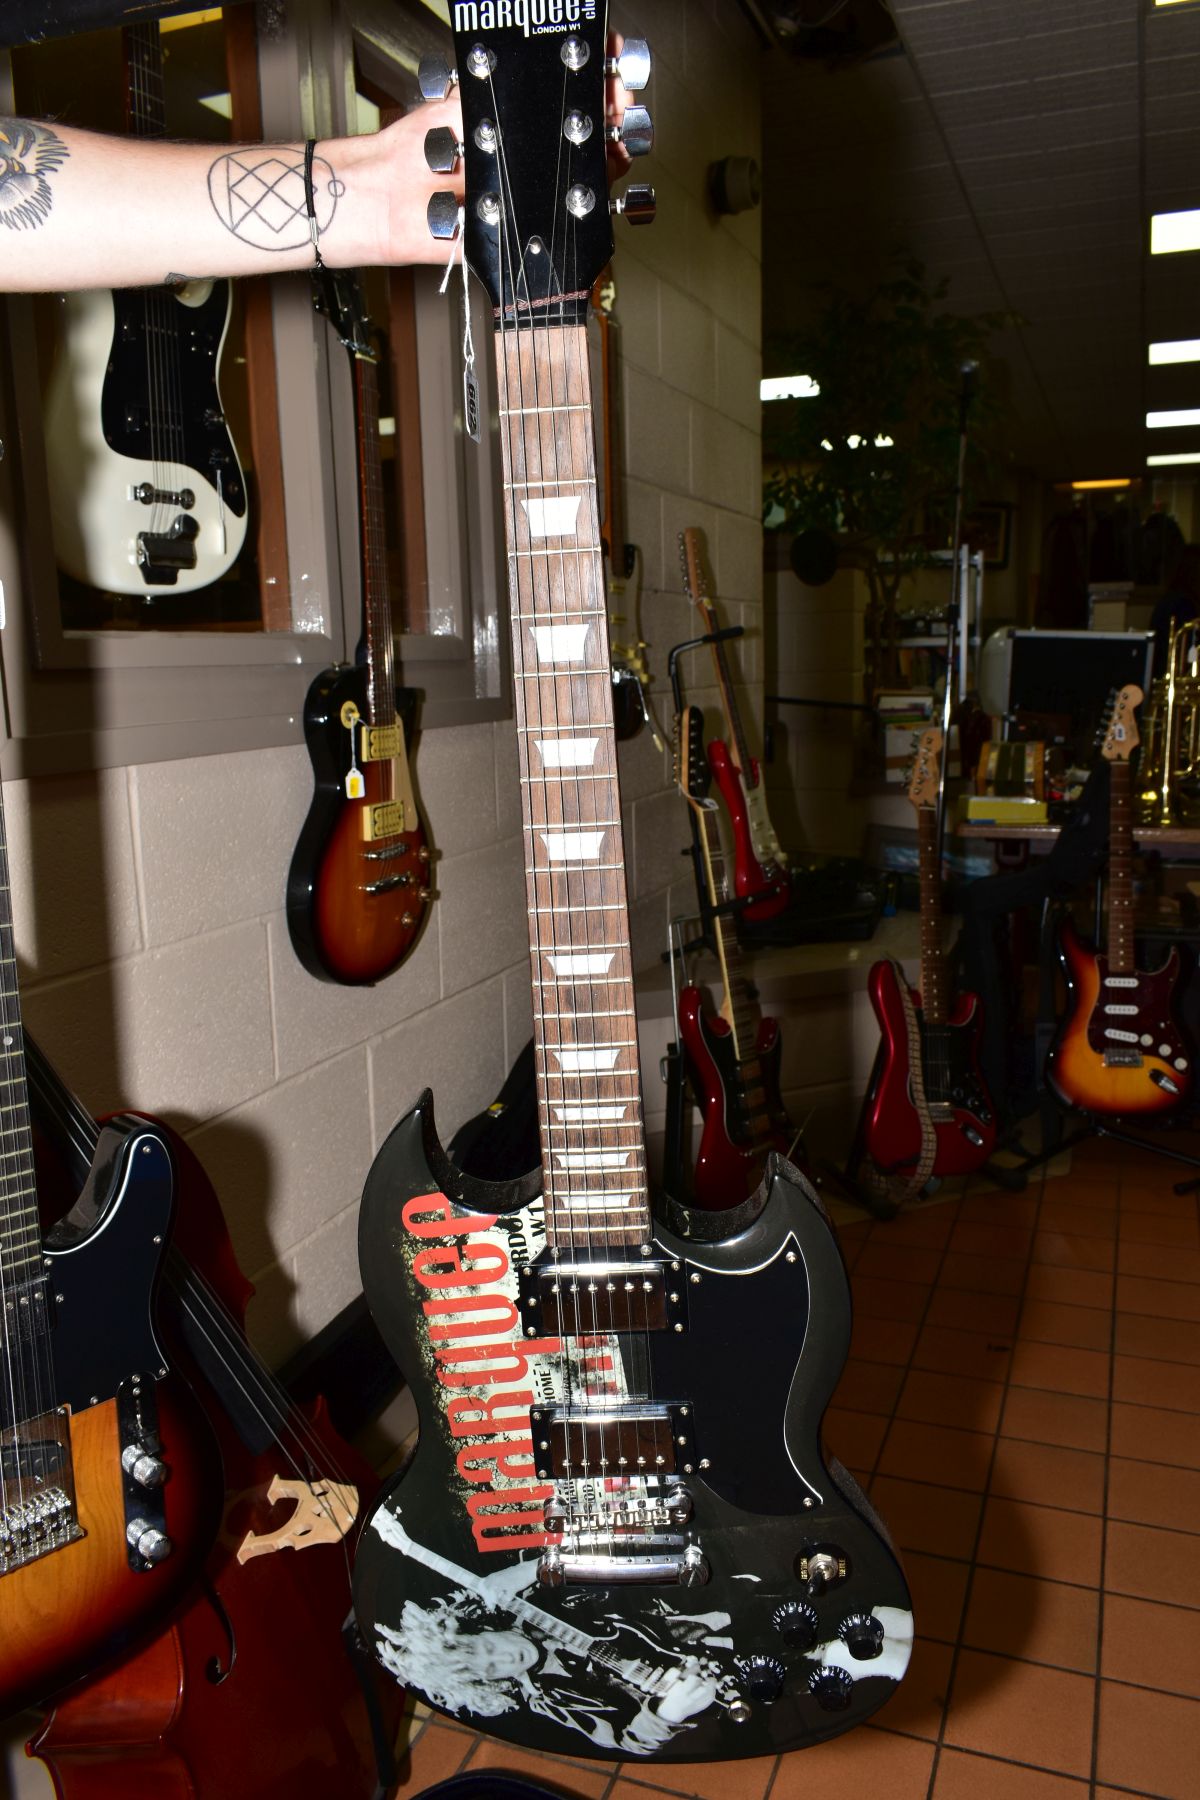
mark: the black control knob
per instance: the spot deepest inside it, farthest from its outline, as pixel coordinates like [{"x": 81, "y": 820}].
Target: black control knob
[
  {"x": 760, "y": 1676},
  {"x": 832, "y": 1688},
  {"x": 796, "y": 1624},
  {"x": 862, "y": 1635}
]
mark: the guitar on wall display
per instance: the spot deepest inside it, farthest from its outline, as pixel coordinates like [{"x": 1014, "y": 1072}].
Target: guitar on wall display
[
  {"x": 759, "y": 862},
  {"x": 1119, "y": 1052},
  {"x": 616, "y": 1538},
  {"x": 928, "y": 1111},
  {"x": 109, "y": 1480},
  {"x": 146, "y": 490},
  {"x": 161, "y": 1719},
  {"x": 358, "y": 887},
  {"x": 732, "y": 1058}
]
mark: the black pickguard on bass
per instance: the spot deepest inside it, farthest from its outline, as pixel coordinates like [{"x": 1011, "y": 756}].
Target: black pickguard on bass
[{"x": 798, "y": 1623}]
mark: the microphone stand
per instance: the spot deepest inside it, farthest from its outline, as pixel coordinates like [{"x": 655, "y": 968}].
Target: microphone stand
[{"x": 970, "y": 381}]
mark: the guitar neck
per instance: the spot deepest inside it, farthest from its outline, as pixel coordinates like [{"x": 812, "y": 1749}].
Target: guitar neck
[
  {"x": 740, "y": 1008},
  {"x": 1121, "y": 959},
  {"x": 933, "y": 961},
  {"x": 585, "y": 1025},
  {"x": 145, "y": 101},
  {"x": 377, "y": 612},
  {"x": 733, "y": 717}
]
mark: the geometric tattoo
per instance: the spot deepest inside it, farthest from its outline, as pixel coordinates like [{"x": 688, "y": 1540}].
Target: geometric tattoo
[
  {"x": 28, "y": 154},
  {"x": 258, "y": 194}
]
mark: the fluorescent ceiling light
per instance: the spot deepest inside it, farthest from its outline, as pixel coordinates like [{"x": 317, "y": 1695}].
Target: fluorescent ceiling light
[
  {"x": 1163, "y": 421},
  {"x": 1176, "y": 350},
  {"x": 1173, "y": 231},
  {"x": 1180, "y": 456},
  {"x": 1122, "y": 482},
  {"x": 788, "y": 387},
  {"x": 1172, "y": 2}
]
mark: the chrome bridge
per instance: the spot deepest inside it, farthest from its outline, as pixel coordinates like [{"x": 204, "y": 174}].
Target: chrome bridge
[
  {"x": 37, "y": 1491},
  {"x": 621, "y": 1533}
]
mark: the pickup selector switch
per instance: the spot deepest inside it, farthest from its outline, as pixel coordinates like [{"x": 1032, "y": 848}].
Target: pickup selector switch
[
  {"x": 831, "y": 1688},
  {"x": 760, "y": 1676},
  {"x": 796, "y": 1624},
  {"x": 862, "y": 1635}
]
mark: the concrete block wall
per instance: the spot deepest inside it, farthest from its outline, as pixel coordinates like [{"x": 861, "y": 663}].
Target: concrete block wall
[{"x": 155, "y": 963}]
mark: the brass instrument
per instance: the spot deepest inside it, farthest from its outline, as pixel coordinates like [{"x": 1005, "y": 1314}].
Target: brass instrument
[{"x": 1169, "y": 774}]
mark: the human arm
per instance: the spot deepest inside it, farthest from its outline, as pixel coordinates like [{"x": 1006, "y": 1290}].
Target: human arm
[{"x": 81, "y": 210}]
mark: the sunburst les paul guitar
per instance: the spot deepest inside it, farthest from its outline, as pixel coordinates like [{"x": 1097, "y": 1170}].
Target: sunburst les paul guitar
[
  {"x": 146, "y": 491},
  {"x": 759, "y": 862},
  {"x": 732, "y": 1056},
  {"x": 1120, "y": 1051},
  {"x": 928, "y": 1110},
  {"x": 619, "y": 1535},
  {"x": 358, "y": 889}
]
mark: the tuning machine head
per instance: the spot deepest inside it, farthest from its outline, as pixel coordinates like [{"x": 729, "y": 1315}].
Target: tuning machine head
[
  {"x": 631, "y": 65},
  {"x": 435, "y": 77},
  {"x": 637, "y": 204},
  {"x": 442, "y": 150},
  {"x": 635, "y": 132},
  {"x": 442, "y": 215}
]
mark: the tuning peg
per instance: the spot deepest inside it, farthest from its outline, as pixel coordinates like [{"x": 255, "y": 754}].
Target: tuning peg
[
  {"x": 637, "y": 204},
  {"x": 442, "y": 150},
  {"x": 636, "y": 131},
  {"x": 632, "y": 65},
  {"x": 442, "y": 214},
  {"x": 435, "y": 77}
]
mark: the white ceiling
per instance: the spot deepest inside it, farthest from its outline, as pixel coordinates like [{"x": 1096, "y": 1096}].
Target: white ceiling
[{"x": 1017, "y": 147}]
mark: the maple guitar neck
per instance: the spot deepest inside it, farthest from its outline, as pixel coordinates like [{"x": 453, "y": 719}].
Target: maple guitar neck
[
  {"x": 739, "y": 1008},
  {"x": 585, "y": 1025}
]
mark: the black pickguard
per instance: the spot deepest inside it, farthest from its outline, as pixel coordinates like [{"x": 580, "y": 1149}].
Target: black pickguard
[
  {"x": 183, "y": 421},
  {"x": 768, "y": 1321}
]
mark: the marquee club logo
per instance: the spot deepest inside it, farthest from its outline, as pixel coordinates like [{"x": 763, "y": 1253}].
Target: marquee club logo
[{"x": 529, "y": 16}]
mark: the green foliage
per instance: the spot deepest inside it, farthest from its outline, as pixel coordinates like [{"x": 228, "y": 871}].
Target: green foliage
[{"x": 889, "y": 366}]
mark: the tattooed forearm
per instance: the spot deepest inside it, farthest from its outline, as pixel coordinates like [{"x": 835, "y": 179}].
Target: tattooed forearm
[
  {"x": 258, "y": 194},
  {"x": 29, "y": 155}
]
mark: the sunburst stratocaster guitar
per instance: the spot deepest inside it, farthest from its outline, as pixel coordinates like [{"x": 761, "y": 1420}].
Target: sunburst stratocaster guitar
[
  {"x": 928, "y": 1106},
  {"x": 733, "y": 1056},
  {"x": 1120, "y": 1051},
  {"x": 146, "y": 490},
  {"x": 759, "y": 862},
  {"x": 358, "y": 889},
  {"x": 109, "y": 1479},
  {"x": 619, "y": 1534}
]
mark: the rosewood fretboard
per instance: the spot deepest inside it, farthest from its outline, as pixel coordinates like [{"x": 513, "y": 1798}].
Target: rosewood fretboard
[
  {"x": 1121, "y": 960},
  {"x": 585, "y": 1026},
  {"x": 933, "y": 961}
]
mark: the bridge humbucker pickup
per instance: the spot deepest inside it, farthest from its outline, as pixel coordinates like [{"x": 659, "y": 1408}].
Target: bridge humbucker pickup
[
  {"x": 383, "y": 820},
  {"x": 610, "y": 1443},
  {"x": 380, "y": 743},
  {"x": 582, "y": 1299}
]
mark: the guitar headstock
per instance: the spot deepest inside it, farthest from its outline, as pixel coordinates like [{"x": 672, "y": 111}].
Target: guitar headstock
[
  {"x": 538, "y": 224},
  {"x": 690, "y": 762},
  {"x": 339, "y": 297},
  {"x": 923, "y": 777},
  {"x": 691, "y": 561},
  {"x": 1120, "y": 728}
]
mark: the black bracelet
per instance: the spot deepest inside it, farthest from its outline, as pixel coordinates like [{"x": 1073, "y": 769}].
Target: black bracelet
[{"x": 309, "y": 204}]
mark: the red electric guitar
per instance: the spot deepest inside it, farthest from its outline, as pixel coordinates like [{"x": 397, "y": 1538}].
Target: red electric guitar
[
  {"x": 732, "y": 1057},
  {"x": 928, "y": 1112},
  {"x": 1120, "y": 1052},
  {"x": 250, "y": 1692},
  {"x": 357, "y": 890},
  {"x": 759, "y": 862}
]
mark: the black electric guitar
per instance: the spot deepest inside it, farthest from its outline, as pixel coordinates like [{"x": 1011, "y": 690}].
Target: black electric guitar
[
  {"x": 146, "y": 491},
  {"x": 358, "y": 887},
  {"x": 619, "y": 1535},
  {"x": 109, "y": 1480}
]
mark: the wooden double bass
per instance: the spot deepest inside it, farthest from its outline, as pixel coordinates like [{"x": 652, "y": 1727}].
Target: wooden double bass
[{"x": 252, "y": 1692}]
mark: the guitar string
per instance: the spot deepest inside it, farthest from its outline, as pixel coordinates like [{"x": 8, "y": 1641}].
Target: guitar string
[
  {"x": 144, "y": 45},
  {"x": 82, "y": 1133}
]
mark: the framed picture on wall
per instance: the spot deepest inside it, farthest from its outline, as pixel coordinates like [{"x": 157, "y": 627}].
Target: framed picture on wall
[{"x": 989, "y": 528}]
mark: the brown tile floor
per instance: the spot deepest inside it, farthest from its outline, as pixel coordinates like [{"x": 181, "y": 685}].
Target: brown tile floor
[{"x": 1023, "y": 1401}]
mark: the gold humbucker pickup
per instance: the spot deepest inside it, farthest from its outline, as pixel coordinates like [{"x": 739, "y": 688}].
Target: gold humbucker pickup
[
  {"x": 579, "y": 1299},
  {"x": 384, "y": 820},
  {"x": 381, "y": 743},
  {"x": 637, "y": 1441}
]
